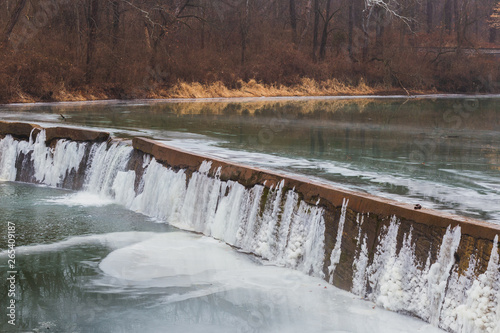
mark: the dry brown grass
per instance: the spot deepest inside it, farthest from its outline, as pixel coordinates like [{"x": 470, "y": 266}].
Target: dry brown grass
[{"x": 252, "y": 88}]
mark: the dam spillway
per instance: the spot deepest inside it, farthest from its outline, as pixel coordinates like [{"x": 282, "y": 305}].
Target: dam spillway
[{"x": 441, "y": 268}]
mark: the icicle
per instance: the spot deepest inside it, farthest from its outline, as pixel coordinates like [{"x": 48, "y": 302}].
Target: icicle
[
  {"x": 9, "y": 150},
  {"x": 248, "y": 230},
  {"x": 337, "y": 250},
  {"x": 383, "y": 262},
  {"x": 163, "y": 192},
  {"x": 227, "y": 217},
  {"x": 456, "y": 295},
  {"x": 440, "y": 271},
  {"x": 359, "y": 270},
  {"x": 481, "y": 311},
  {"x": 288, "y": 215},
  {"x": 266, "y": 238}
]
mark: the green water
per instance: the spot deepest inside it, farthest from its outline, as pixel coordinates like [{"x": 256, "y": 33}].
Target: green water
[{"x": 443, "y": 153}]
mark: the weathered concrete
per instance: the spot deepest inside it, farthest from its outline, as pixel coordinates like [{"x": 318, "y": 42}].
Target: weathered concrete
[
  {"x": 55, "y": 133},
  {"x": 18, "y": 130},
  {"x": 24, "y": 130}
]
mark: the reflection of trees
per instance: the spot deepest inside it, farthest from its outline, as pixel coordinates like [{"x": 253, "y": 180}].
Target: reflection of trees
[
  {"x": 49, "y": 290},
  {"x": 316, "y": 140}
]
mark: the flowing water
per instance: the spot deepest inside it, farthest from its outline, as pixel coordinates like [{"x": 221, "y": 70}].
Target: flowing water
[
  {"x": 88, "y": 265},
  {"x": 443, "y": 153},
  {"x": 108, "y": 269}
]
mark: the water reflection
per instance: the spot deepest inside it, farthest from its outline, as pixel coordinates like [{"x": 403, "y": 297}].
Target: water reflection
[{"x": 418, "y": 150}]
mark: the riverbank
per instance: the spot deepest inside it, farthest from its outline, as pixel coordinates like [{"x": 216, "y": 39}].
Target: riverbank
[{"x": 306, "y": 88}]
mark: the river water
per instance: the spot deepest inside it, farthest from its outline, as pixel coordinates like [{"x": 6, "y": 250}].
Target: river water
[
  {"x": 442, "y": 152},
  {"x": 86, "y": 264}
]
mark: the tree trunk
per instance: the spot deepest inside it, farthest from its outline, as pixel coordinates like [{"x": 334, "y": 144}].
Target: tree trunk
[
  {"x": 202, "y": 32},
  {"x": 293, "y": 21},
  {"x": 243, "y": 47},
  {"x": 79, "y": 47},
  {"x": 350, "y": 29},
  {"x": 476, "y": 18},
  {"x": 458, "y": 25},
  {"x": 116, "y": 22},
  {"x": 448, "y": 15},
  {"x": 307, "y": 18},
  {"x": 244, "y": 27},
  {"x": 493, "y": 35},
  {"x": 379, "y": 30},
  {"x": 315, "y": 29},
  {"x": 324, "y": 35},
  {"x": 93, "y": 11},
  {"x": 14, "y": 17},
  {"x": 429, "y": 15}
]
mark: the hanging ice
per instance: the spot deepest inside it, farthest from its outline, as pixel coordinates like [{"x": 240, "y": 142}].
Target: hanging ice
[{"x": 335, "y": 256}]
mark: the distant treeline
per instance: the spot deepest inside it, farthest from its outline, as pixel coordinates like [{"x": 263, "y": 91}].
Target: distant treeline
[{"x": 80, "y": 49}]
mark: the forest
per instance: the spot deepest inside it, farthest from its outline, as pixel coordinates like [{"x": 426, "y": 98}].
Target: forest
[{"x": 57, "y": 50}]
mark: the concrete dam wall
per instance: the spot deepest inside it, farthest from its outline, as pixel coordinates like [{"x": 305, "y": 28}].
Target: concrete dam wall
[{"x": 439, "y": 267}]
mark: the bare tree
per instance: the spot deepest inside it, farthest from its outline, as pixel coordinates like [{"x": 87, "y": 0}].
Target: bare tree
[
  {"x": 429, "y": 14},
  {"x": 315, "y": 29},
  {"x": 14, "y": 17},
  {"x": 92, "y": 24},
  {"x": 293, "y": 21},
  {"x": 379, "y": 10},
  {"x": 326, "y": 22}
]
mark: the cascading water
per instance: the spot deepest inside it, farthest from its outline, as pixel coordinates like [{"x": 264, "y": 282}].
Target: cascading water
[
  {"x": 274, "y": 223},
  {"x": 286, "y": 231}
]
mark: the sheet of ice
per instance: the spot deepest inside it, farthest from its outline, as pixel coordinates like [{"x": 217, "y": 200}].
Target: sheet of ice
[
  {"x": 209, "y": 277},
  {"x": 474, "y": 194},
  {"x": 111, "y": 240}
]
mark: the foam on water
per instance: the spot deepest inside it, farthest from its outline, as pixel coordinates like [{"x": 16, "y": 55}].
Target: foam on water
[{"x": 84, "y": 199}]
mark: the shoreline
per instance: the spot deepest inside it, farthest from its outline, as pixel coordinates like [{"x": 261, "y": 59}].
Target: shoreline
[
  {"x": 244, "y": 90},
  {"x": 256, "y": 99}
]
